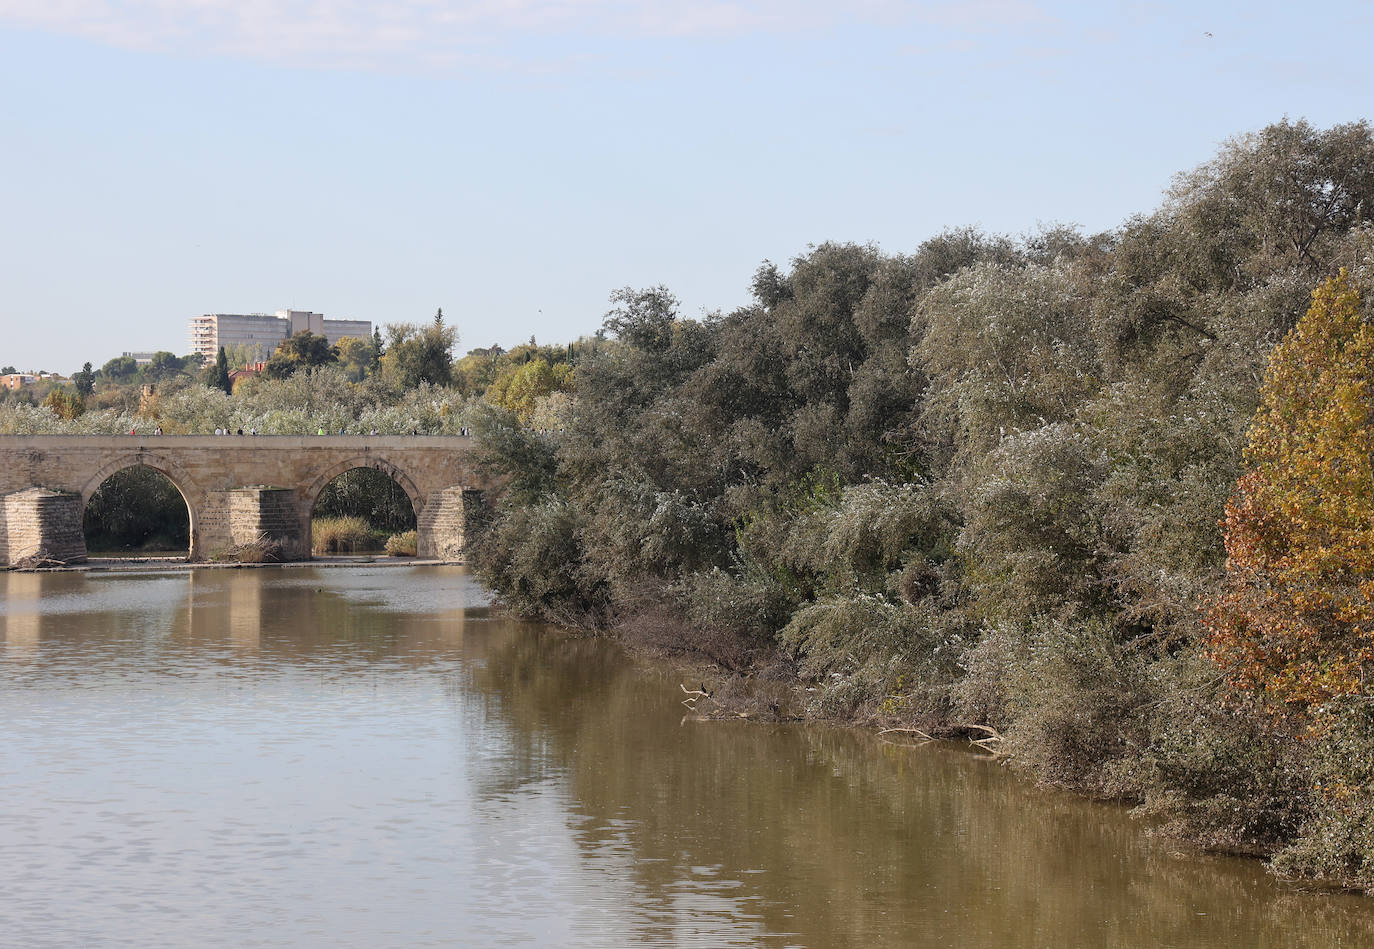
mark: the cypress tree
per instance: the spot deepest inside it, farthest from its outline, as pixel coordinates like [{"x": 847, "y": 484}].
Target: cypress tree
[{"x": 222, "y": 373}]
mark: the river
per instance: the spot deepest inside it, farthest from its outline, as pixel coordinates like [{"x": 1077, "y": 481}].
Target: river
[{"x": 371, "y": 757}]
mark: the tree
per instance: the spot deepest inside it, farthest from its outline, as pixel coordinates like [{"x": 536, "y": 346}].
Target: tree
[
  {"x": 356, "y": 354},
  {"x": 164, "y": 364},
  {"x": 303, "y": 350},
  {"x": 222, "y": 380},
  {"x": 642, "y": 318},
  {"x": 416, "y": 354},
  {"x": 119, "y": 368},
  {"x": 137, "y": 508},
  {"x": 245, "y": 354},
  {"x": 1295, "y": 623},
  {"x": 84, "y": 381},
  {"x": 520, "y": 389},
  {"x": 65, "y": 404}
]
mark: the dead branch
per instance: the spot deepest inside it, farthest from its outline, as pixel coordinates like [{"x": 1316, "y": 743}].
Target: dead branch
[
  {"x": 912, "y": 731},
  {"x": 989, "y": 743},
  {"x": 694, "y": 695}
]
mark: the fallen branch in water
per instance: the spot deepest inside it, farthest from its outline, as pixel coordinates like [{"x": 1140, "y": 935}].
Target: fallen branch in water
[
  {"x": 988, "y": 743},
  {"x": 694, "y": 695},
  {"x": 994, "y": 737},
  {"x": 913, "y": 731}
]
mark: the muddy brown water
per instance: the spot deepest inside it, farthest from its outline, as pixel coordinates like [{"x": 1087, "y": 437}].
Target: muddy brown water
[{"x": 369, "y": 757}]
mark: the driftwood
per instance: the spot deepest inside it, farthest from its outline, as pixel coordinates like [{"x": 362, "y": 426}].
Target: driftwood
[
  {"x": 694, "y": 695},
  {"x": 988, "y": 743},
  {"x": 913, "y": 731},
  {"x": 40, "y": 560},
  {"x": 262, "y": 550}
]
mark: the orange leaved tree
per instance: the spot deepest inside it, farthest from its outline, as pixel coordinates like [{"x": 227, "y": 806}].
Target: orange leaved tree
[{"x": 1295, "y": 622}]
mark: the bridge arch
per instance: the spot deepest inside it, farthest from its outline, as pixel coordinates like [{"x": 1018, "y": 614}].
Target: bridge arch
[
  {"x": 163, "y": 466},
  {"x": 312, "y": 493}
]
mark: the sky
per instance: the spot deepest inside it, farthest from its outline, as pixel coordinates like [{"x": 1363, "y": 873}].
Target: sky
[{"x": 515, "y": 161}]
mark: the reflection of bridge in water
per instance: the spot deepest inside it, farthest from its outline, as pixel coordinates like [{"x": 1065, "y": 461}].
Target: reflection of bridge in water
[
  {"x": 237, "y": 488},
  {"x": 299, "y": 616}
]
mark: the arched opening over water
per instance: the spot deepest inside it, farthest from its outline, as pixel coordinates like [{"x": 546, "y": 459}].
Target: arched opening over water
[
  {"x": 362, "y": 510},
  {"x": 137, "y": 512}
]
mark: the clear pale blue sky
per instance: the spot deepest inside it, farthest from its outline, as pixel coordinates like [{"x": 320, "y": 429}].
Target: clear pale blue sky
[{"x": 514, "y": 161}]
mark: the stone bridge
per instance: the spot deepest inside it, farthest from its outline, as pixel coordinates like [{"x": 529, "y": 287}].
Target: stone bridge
[{"x": 237, "y": 487}]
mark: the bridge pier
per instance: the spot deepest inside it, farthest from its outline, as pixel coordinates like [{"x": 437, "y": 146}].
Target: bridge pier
[
  {"x": 242, "y": 516},
  {"x": 445, "y": 521},
  {"x": 41, "y": 523}
]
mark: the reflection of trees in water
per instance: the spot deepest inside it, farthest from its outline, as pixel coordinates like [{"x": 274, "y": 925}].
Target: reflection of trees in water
[
  {"x": 842, "y": 840},
  {"x": 137, "y": 509}
]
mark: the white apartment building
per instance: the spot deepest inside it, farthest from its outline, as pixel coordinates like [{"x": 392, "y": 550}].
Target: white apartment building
[{"x": 264, "y": 330}]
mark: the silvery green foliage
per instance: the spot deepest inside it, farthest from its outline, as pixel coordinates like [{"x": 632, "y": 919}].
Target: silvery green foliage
[
  {"x": 21, "y": 418},
  {"x": 747, "y": 604},
  {"x": 302, "y": 404},
  {"x": 861, "y": 646},
  {"x": 875, "y": 525},
  {"x": 553, "y": 412},
  {"x": 1030, "y": 541},
  {"x": 642, "y": 531},
  {"x": 1006, "y": 349},
  {"x": 534, "y": 555},
  {"x": 1168, "y": 467},
  {"x": 194, "y": 409}
]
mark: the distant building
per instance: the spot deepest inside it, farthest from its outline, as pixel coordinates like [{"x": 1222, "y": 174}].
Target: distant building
[
  {"x": 141, "y": 359},
  {"x": 17, "y": 380},
  {"x": 213, "y": 330}
]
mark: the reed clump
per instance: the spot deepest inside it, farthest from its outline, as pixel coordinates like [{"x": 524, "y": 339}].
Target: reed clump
[{"x": 343, "y": 535}]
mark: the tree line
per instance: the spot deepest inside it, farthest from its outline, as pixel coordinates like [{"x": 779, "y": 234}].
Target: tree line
[
  {"x": 982, "y": 489},
  {"x": 406, "y": 379}
]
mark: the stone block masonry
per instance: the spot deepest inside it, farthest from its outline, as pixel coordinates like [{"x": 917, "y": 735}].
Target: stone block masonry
[
  {"x": 270, "y": 512},
  {"x": 447, "y": 518},
  {"x": 42, "y": 525},
  {"x": 236, "y": 487}
]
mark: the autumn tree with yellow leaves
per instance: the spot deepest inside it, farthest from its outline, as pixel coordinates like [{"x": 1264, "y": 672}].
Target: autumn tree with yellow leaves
[{"x": 1295, "y": 623}]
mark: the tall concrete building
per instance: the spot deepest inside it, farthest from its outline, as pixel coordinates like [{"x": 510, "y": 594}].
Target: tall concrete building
[{"x": 265, "y": 331}]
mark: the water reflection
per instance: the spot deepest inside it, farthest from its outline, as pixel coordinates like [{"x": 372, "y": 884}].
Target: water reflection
[{"x": 367, "y": 757}]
